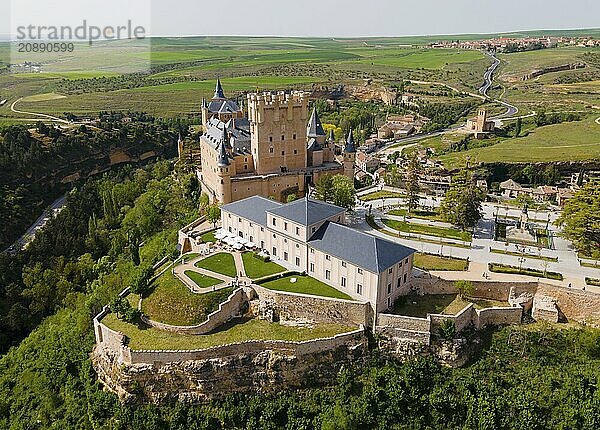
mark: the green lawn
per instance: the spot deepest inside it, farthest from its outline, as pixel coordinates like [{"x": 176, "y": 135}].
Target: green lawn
[
  {"x": 209, "y": 237},
  {"x": 407, "y": 227},
  {"x": 381, "y": 195},
  {"x": 256, "y": 268},
  {"x": 201, "y": 280},
  {"x": 144, "y": 338},
  {"x": 171, "y": 302},
  {"x": 431, "y": 216},
  {"x": 519, "y": 254},
  {"x": 305, "y": 285},
  {"x": 222, "y": 263},
  {"x": 435, "y": 262},
  {"x": 444, "y": 304},
  {"x": 525, "y": 271}
]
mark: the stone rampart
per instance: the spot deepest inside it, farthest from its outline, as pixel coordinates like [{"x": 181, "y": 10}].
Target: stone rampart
[
  {"x": 227, "y": 310},
  {"x": 318, "y": 309},
  {"x": 462, "y": 320},
  {"x": 574, "y": 305},
  {"x": 497, "y": 316},
  {"x": 483, "y": 289}
]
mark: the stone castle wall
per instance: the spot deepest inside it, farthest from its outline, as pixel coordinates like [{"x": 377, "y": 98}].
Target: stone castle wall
[
  {"x": 227, "y": 310},
  {"x": 575, "y": 305},
  {"x": 483, "y": 289},
  {"x": 498, "y": 316},
  {"x": 318, "y": 309}
]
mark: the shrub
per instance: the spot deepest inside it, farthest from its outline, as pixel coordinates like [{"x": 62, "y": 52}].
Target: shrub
[
  {"x": 447, "y": 329},
  {"x": 465, "y": 288}
]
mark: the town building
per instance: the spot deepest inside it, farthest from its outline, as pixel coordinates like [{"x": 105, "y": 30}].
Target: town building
[
  {"x": 275, "y": 151},
  {"x": 366, "y": 162},
  {"x": 311, "y": 236},
  {"x": 479, "y": 126}
]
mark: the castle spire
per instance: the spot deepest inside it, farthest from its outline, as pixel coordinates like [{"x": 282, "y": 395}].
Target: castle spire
[
  {"x": 223, "y": 158},
  {"x": 315, "y": 128},
  {"x": 204, "y": 104},
  {"x": 350, "y": 146},
  {"x": 331, "y": 136},
  {"x": 219, "y": 94}
]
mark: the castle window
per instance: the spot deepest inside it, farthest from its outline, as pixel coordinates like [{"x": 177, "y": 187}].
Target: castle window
[
  {"x": 274, "y": 222},
  {"x": 297, "y": 246},
  {"x": 389, "y": 288},
  {"x": 239, "y": 220},
  {"x": 228, "y": 215},
  {"x": 246, "y": 167},
  {"x": 359, "y": 289},
  {"x": 298, "y": 261},
  {"x": 343, "y": 264},
  {"x": 250, "y": 226},
  {"x": 312, "y": 267},
  {"x": 285, "y": 226},
  {"x": 262, "y": 229},
  {"x": 399, "y": 281},
  {"x": 285, "y": 256},
  {"x": 390, "y": 271},
  {"x": 295, "y": 151},
  {"x": 328, "y": 258},
  {"x": 343, "y": 282},
  {"x": 271, "y": 150},
  {"x": 294, "y": 135},
  {"x": 245, "y": 159},
  {"x": 360, "y": 271},
  {"x": 298, "y": 231},
  {"x": 405, "y": 278},
  {"x": 327, "y": 275},
  {"x": 282, "y": 152},
  {"x": 312, "y": 251},
  {"x": 270, "y": 138},
  {"x": 274, "y": 251},
  {"x": 282, "y": 137}
]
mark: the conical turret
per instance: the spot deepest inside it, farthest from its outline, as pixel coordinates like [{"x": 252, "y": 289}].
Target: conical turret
[
  {"x": 219, "y": 94},
  {"x": 350, "y": 147},
  {"x": 223, "y": 158}
]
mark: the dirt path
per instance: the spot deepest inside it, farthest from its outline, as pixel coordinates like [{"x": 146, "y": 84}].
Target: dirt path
[{"x": 39, "y": 115}]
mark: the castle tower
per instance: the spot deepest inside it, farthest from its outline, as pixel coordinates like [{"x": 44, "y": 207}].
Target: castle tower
[
  {"x": 349, "y": 156},
  {"x": 204, "y": 110},
  {"x": 481, "y": 119},
  {"x": 314, "y": 130},
  {"x": 278, "y": 131},
  {"x": 223, "y": 189}
]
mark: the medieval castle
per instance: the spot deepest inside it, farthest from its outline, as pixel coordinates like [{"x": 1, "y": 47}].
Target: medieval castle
[{"x": 271, "y": 152}]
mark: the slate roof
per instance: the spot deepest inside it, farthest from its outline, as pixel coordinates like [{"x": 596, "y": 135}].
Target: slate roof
[
  {"x": 350, "y": 146},
  {"x": 306, "y": 211},
  {"x": 223, "y": 106},
  {"x": 361, "y": 249},
  {"x": 313, "y": 145},
  {"x": 223, "y": 159},
  {"x": 315, "y": 128},
  {"x": 253, "y": 208}
]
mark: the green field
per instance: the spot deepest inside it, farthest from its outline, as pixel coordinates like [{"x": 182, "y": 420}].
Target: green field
[
  {"x": 570, "y": 141},
  {"x": 256, "y": 268},
  {"x": 430, "y": 262}
]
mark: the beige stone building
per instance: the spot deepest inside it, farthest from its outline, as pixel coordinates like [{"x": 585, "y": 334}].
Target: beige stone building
[
  {"x": 310, "y": 236},
  {"x": 276, "y": 151},
  {"x": 479, "y": 126}
]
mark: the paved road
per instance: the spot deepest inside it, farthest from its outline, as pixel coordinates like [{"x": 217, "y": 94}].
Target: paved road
[
  {"x": 22, "y": 242},
  {"x": 488, "y": 80}
]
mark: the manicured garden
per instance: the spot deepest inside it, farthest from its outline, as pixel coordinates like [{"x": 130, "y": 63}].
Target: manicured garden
[
  {"x": 203, "y": 281},
  {"x": 421, "y": 214},
  {"x": 430, "y": 230},
  {"x": 593, "y": 282},
  {"x": 257, "y": 268},
  {"x": 526, "y": 255},
  {"x": 502, "y": 268},
  {"x": 436, "y": 262},
  {"x": 171, "y": 302},
  {"x": 141, "y": 337},
  {"x": 209, "y": 236},
  {"x": 381, "y": 195},
  {"x": 222, "y": 263},
  {"x": 304, "y": 285},
  {"x": 440, "y": 304}
]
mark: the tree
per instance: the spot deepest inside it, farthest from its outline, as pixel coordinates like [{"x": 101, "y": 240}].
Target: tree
[
  {"x": 213, "y": 214},
  {"x": 518, "y": 126},
  {"x": 447, "y": 329},
  {"x": 523, "y": 200},
  {"x": 324, "y": 188},
  {"x": 465, "y": 288},
  {"x": 392, "y": 176},
  {"x": 204, "y": 201},
  {"x": 133, "y": 237},
  {"x": 411, "y": 183},
  {"x": 291, "y": 197},
  {"x": 462, "y": 203},
  {"x": 580, "y": 219},
  {"x": 343, "y": 191},
  {"x": 140, "y": 281}
]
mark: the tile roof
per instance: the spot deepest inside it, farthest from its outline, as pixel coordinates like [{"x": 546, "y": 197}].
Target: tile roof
[
  {"x": 253, "y": 208},
  {"x": 361, "y": 249},
  {"x": 306, "y": 211}
]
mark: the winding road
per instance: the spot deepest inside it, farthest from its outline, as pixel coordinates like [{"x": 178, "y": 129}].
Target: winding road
[{"x": 39, "y": 115}]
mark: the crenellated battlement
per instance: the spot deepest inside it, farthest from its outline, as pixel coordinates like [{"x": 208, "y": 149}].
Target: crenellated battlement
[{"x": 269, "y": 99}]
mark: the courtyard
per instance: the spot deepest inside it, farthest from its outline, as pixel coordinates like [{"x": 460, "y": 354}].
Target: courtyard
[{"x": 442, "y": 304}]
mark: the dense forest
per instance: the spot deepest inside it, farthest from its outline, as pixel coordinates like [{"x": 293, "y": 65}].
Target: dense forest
[
  {"x": 33, "y": 162},
  {"x": 532, "y": 377}
]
